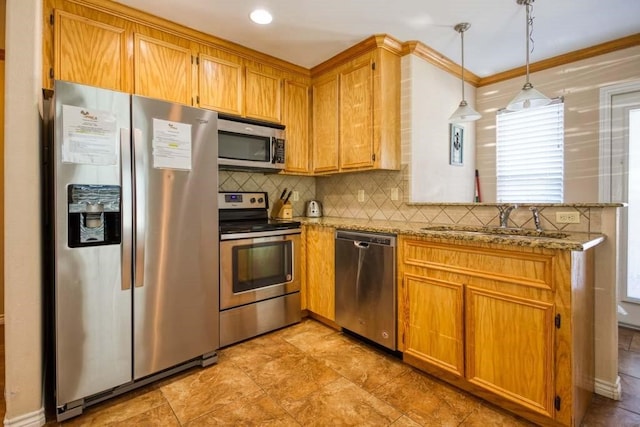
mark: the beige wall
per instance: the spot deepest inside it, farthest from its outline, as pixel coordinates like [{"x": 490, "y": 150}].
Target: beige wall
[
  {"x": 429, "y": 96},
  {"x": 579, "y": 83},
  {"x": 23, "y": 288}
]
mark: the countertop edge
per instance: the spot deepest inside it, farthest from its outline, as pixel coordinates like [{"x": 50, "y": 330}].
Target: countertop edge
[{"x": 574, "y": 242}]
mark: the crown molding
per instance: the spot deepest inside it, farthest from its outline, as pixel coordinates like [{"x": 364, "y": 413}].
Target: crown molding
[
  {"x": 567, "y": 58},
  {"x": 434, "y": 57},
  {"x": 383, "y": 41}
]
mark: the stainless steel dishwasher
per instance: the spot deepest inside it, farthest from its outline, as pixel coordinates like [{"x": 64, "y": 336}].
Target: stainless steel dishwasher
[{"x": 365, "y": 285}]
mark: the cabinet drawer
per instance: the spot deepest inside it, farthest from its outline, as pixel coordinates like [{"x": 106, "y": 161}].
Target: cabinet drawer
[{"x": 523, "y": 268}]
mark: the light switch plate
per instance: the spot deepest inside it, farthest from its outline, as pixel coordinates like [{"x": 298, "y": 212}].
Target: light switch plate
[
  {"x": 395, "y": 193},
  {"x": 295, "y": 196},
  {"x": 361, "y": 195},
  {"x": 568, "y": 217}
]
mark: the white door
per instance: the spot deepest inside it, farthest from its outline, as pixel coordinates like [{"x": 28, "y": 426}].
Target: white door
[{"x": 625, "y": 187}]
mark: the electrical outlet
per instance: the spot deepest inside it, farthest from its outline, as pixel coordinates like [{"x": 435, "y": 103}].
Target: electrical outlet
[
  {"x": 295, "y": 196},
  {"x": 361, "y": 195},
  {"x": 568, "y": 217},
  {"x": 395, "y": 193}
]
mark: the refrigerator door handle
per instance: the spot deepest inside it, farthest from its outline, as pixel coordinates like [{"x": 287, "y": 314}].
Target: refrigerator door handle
[
  {"x": 140, "y": 206},
  {"x": 126, "y": 208}
]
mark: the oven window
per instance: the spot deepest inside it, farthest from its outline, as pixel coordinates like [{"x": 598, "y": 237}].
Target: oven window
[
  {"x": 261, "y": 264},
  {"x": 244, "y": 147}
]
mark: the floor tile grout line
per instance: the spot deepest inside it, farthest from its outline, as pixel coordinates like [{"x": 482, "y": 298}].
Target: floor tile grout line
[{"x": 369, "y": 392}]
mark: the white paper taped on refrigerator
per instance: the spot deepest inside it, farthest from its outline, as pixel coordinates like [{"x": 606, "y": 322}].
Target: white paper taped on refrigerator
[
  {"x": 171, "y": 145},
  {"x": 90, "y": 136}
]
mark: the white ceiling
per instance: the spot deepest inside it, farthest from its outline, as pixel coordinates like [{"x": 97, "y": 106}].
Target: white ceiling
[{"x": 307, "y": 32}]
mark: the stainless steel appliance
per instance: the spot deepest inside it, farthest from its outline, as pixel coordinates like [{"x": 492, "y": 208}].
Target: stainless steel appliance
[
  {"x": 250, "y": 145},
  {"x": 314, "y": 209},
  {"x": 365, "y": 285},
  {"x": 259, "y": 268},
  {"x": 132, "y": 234}
]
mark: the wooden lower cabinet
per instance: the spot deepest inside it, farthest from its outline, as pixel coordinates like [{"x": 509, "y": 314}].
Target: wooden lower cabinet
[
  {"x": 434, "y": 322},
  {"x": 510, "y": 347},
  {"x": 320, "y": 269},
  {"x": 513, "y": 325}
]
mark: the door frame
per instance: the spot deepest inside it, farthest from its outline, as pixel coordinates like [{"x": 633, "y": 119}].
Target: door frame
[{"x": 607, "y": 182}]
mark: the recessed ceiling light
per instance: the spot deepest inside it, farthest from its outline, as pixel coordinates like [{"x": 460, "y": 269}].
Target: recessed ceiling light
[{"x": 261, "y": 16}]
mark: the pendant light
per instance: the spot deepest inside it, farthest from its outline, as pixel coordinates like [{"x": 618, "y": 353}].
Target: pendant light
[
  {"x": 464, "y": 113},
  {"x": 528, "y": 97}
]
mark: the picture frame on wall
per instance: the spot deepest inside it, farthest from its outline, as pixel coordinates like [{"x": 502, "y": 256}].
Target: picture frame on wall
[{"x": 456, "y": 143}]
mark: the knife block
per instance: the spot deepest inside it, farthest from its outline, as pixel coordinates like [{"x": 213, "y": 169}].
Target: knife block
[{"x": 281, "y": 210}]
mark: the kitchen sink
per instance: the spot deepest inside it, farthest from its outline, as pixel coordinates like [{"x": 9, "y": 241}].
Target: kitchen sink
[{"x": 510, "y": 231}]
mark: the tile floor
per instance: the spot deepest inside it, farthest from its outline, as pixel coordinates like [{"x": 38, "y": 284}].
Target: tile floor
[
  {"x": 626, "y": 411},
  {"x": 309, "y": 374}
]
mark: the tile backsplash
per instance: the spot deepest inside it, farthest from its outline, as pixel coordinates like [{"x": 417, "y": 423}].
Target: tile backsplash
[
  {"x": 339, "y": 197},
  {"x": 273, "y": 184}
]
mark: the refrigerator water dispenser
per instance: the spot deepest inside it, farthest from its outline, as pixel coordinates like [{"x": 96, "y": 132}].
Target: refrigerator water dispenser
[{"x": 94, "y": 215}]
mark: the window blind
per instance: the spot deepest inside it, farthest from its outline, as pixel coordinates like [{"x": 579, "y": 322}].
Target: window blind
[{"x": 530, "y": 154}]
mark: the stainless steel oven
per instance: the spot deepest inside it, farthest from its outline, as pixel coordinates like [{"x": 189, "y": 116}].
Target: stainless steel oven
[{"x": 259, "y": 268}]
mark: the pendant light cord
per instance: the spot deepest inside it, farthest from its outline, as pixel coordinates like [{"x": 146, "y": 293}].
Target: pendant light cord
[
  {"x": 529, "y": 32},
  {"x": 462, "y": 61}
]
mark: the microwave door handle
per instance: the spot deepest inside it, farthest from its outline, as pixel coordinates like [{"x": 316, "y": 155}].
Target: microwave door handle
[{"x": 273, "y": 150}]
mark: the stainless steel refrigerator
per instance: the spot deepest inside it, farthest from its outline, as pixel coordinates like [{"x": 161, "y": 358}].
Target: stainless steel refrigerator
[{"x": 132, "y": 222}]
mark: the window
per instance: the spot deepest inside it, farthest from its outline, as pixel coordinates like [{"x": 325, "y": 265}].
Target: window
[{"x": 530, "y": 154}]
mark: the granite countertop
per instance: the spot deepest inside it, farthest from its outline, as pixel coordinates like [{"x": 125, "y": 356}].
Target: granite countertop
[{"x": 551, "y": 239}]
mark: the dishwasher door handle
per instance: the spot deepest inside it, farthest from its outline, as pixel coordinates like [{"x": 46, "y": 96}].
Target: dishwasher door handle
[{"x": 361, "y": 245}]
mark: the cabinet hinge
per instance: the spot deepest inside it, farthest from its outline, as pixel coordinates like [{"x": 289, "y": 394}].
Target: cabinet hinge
[
  {"x": 198, "y": 100},
  {"x": 373, "y": 157},
  {"x": 197, "y": 60},
  {"x": 373, "y": 65},
  {"x": 557, "y": 402},
  {"x": 558, "y": 321},
  {"x": 51, "y": 19},
  {"x": 50, "y": 73}
]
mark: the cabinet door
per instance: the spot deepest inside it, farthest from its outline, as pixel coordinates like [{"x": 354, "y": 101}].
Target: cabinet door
[
  {"x": 220, "y": 84},
  {"x": 262, "y": 95},
  {"x": 510, "y": 347},
  {"x": 325, "y": 125},
  {"x": 356, "y": 116},
  {"x": 321, "y": 271},
  {"x": 89, "y": 52},
  {"x": 296, "y": 120},
  {"x": 162, "y": 70},
  {"x": 433, "y": 322}
]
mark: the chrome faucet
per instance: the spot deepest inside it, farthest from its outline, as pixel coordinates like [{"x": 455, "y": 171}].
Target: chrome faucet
[
  {"x": 505, "y": 210},
  {"x": 536, "y": 217}
]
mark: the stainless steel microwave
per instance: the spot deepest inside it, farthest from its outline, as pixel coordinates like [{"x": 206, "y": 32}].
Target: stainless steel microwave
[{"x": 250, "y": 145}]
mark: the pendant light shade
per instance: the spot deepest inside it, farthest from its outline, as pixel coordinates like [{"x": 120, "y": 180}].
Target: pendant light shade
[
  {"x": 464, "y": 113},
  {"x": 528, "y": 97}
]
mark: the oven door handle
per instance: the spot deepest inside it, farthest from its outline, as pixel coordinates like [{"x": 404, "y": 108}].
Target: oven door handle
[{"x": 253, "y": 235}]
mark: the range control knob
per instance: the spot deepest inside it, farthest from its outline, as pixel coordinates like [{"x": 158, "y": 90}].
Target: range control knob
[
  {"x": 260, "y": 200},
  {"x": 253, "y": 200}
]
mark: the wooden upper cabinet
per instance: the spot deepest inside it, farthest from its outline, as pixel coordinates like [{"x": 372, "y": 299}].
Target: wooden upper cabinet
[
  {"x": 220, "y": 84},
  {"x": 263, "y": 93},
  {"x": 162, "y": 70},
  {"x": 367, "y": 113},
  {"x": 296, "y": 120},
  {"x": 325, "y": 125},
  {"x": 90, "y": 52},
  {"x": 356, "y": 116}
]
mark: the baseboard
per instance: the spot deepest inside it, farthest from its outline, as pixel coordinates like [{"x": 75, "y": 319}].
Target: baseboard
[
  {"x": 607, "y": 389},
  {"x": 33, "y": 419}
]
